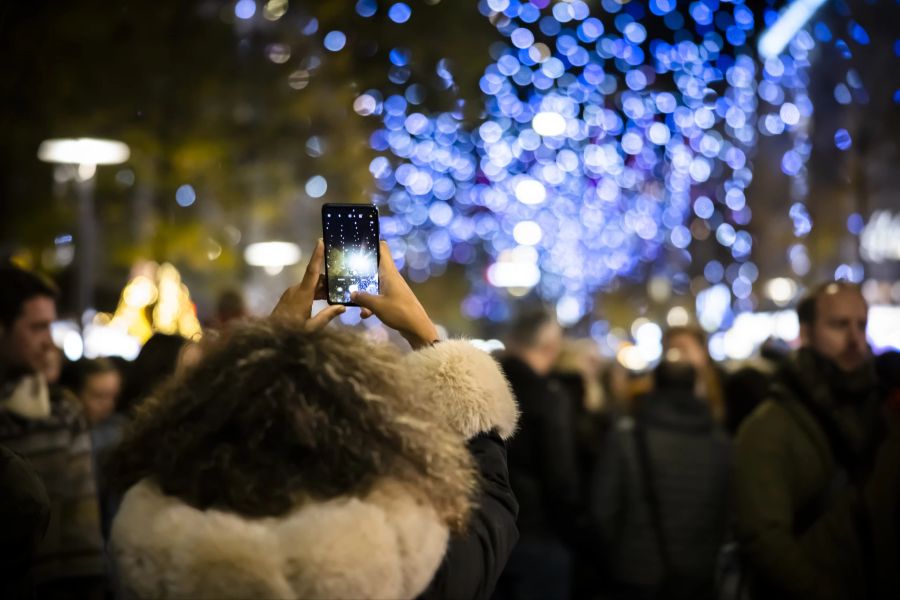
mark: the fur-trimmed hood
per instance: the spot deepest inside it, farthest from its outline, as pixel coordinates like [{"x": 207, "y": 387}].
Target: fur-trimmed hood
[{"x": 386, "y": 543}]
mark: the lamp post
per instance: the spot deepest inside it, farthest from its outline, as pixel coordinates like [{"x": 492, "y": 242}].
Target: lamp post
[{"x": 86, "y": 154}]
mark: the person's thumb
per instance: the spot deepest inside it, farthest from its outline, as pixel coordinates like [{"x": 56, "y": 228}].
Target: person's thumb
[
  {"x": 325, "y": 316},
  {"x": 365, "y": 300}
]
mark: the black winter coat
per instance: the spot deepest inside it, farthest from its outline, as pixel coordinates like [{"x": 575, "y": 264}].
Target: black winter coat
[
  {"x": 690, "y": 464},
  {"x": 542, "y": 464},
  {"x": 474, "y": 561}
]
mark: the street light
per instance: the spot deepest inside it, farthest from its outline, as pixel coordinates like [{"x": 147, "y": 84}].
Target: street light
[
  {"x": 86, "y": 154},
  {"x": 272, "y": 256},
  {"x": 82, "y": 151}
]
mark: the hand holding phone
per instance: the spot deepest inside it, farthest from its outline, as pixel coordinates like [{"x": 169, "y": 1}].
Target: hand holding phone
[
  {"x": 396, "y": 305},
  {"x": 296, "y": 301}
]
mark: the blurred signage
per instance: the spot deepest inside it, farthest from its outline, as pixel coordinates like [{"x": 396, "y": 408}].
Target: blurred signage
[{"x": 880, "y": 238}]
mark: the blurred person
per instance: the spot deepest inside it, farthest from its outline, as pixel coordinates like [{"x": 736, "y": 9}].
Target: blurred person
[
  {"x": 230, "y": 308},
  {"x": 24, "y": 517},
  {"x": 155, "y": 363},
  {"x": 542, "y": 464},
  {"x": 299, "y": 461},
  {"x": 691, "y": 342},
  {"x": 747, "y": 385},
  {"x": 38, "y": 422},
  {"x": 614, "y": 380},
  {"x": 578, "y": 371},
  {"x": 578, "y": 367},
  {"x": 811, "y": 485},
  {"x": 887, "y": 368},
  {"x": 659, "y": 497},
  {"x": 96, "y": 383},
  {"x": 745, "y": 389},
  {"x": 53, "y": 365}
]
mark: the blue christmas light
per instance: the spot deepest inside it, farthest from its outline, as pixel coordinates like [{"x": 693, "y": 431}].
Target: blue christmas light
[
  {"x": 335, "y": 40},
  {"x": 245, "y": 9},
  {"x": 366, "y": 8},
  {"x": 588, "y": 164},
  {"x": 399, "y": 12},
  {"x": 842, "y": 139}
]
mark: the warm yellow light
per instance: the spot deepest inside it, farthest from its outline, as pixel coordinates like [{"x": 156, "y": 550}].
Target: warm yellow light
[
  {"x": 159, "y": 287},
  {"x": 139, "y": 292},
  {"x": 630, "y": 357}
]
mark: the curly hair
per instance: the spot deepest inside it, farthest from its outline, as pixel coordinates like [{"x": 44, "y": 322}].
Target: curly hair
[{"x": 273, "y": 416}]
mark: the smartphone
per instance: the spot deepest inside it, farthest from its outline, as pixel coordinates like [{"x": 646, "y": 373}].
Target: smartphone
[{"x": 351, "y": 238}]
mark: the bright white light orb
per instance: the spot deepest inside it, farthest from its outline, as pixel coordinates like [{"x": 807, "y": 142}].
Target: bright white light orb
[
  {"x": 677, "y": 317},
  {"x": 272, "y": 254},
  {"x": 528, "y": 233},
  {"x": 531, "y": 191},
  {"x": 514, "y": 274},
  {"x": 648, "y": 333},
  {"x": 73, "y": 346},
  {"x": 568, "y": 311},
  {"x": 781, "y": 290},
  {"x": 84, "y": 151},
  {"x": 549, "y": 124},
  {"x": 316, "y": 186},
  {"x": 362, "y": 263}
]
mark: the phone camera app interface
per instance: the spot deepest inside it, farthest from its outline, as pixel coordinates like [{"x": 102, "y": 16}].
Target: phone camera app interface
[{"x": 352, "y": 242}]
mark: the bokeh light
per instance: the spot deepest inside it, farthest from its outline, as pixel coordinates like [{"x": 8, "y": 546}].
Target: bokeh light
[
  {"x": 335, "y": 40},
  {"x": 185, "y": 195},
  {"x": 610, "y": 144}
]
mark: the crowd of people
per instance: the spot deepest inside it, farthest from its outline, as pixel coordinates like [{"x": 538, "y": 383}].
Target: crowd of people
[{"x": 281, "y": 457}]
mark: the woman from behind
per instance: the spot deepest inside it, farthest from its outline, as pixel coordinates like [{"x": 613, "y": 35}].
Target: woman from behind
[{"x": 299, "y": 462}]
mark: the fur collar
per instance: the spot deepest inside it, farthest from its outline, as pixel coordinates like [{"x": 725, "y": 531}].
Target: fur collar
[
  {"x": 386, "y": 544},
  {"x": 465, "y": 387}
]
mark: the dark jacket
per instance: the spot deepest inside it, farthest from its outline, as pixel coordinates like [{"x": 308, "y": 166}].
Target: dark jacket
[
  {"x": 57, "y": 446},
  {"x": 474, "y": 561},
  {"x": 801, "y": 479},
  {"x": 542, "y": 466},
  {"x": 24, "y": 516},
  {"x": 689, "y": 466}
]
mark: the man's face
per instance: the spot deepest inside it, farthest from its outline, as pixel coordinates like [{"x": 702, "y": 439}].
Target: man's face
[
  {"x": 27, "y": 342},
  {"x": 546, "y": 349},
  {"x": 99, "y": 396},
  {"x": 839, "y": 331}
]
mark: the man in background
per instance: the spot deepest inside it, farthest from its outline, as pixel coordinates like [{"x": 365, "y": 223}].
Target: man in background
[
  {"x": 807, "y": 482},
  {"x": 47, "y": 429},
  {"x": 542, "y": 466}
]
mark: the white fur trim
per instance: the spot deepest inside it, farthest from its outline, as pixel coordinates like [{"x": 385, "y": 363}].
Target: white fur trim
[
  {"x": 465, "y": 387},
  {"x": 386, "y": 545}
]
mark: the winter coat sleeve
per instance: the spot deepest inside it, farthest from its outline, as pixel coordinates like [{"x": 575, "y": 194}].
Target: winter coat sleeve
[
  {"x": 465, "y": 388},
  {"x": 474, "y": 560}
]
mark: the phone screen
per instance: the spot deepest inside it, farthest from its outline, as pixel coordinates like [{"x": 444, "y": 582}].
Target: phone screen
[{"x": 351, "y": 236}]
